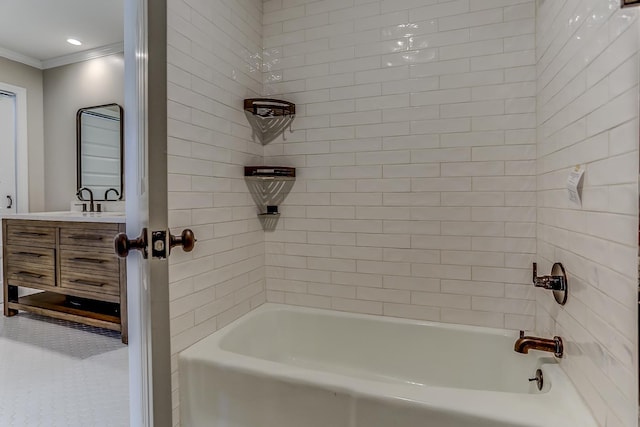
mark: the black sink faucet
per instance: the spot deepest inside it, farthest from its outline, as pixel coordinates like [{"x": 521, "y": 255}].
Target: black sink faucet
[
  {"x": 106, "y": 193},
  {"x": 80, "y": 197}
]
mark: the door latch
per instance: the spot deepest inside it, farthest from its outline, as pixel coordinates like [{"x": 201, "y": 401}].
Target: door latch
[
  {"x": 163, "y": 241},
  {"x": 159, "y": 244}
]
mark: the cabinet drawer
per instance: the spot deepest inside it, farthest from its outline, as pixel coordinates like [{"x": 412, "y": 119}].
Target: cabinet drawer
[
  {"x": 31, "y": 256},
  {"x": 98, "y": 237},
  {"x": 89, "y": 281},
  {"x": 23, "y": 271},
  {"x": 90, "y": 271},
  {"x": 29, "y": 235},
  {"x": 101, "y": 263}
]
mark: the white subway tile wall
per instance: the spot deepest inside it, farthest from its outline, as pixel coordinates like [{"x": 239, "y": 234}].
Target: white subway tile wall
[
  {"x": 587, "y": 67},
  {"x": 415, "y": 147},
  {"x": 214, "y": 62},
  {"x": 432, "y": 147}
]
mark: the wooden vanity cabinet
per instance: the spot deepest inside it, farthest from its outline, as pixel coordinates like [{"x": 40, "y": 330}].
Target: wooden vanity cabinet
[{"x": 73, "y": 263}]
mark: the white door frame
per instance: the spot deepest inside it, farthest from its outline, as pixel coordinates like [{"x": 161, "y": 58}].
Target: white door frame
[
  {"x": 22, "y": 147},
  {"x": 146, "y": 204}
]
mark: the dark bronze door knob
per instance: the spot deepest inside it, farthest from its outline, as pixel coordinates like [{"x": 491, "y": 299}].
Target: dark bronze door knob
[
  {"x": 123, "y": 245},
  {"x": 187, "y": 240}
]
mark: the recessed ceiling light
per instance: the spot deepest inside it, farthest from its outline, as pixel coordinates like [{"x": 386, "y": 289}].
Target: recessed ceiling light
[{"x": 74, "y": 42}]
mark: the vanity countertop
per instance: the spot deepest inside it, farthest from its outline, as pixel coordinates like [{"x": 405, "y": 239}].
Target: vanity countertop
[{"x": 111, "y": 217}]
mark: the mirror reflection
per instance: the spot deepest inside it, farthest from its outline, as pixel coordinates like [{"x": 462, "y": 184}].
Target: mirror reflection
[{"x": 100, "y": 160}]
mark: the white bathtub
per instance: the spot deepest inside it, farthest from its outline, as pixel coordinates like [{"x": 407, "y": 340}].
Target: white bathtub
[{"x": 283, "y": 366}]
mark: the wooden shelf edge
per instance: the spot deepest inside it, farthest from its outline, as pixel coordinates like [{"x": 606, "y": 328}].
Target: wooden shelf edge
[{"x": 51, "y": 304}]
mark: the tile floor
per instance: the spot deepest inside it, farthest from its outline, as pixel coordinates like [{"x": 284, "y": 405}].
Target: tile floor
[{"x": 61, "y": 374}]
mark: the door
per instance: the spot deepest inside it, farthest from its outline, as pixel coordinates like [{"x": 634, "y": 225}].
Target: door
[
  {"x": 146, "y": 205},
  {"x": 7, "y": 159},
  {"x": 7, "y": 153}
]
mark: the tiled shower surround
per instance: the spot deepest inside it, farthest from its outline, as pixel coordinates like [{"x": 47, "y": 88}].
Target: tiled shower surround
[
  {"x": 422, "y": 190},
  {"x": 588, "y": 114},
  {"x": 415, "y": 150},
  {"x": 214, "y": 57}
]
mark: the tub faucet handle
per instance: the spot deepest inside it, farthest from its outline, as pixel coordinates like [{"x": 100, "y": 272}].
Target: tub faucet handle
[{"x": 556, "y": 282}]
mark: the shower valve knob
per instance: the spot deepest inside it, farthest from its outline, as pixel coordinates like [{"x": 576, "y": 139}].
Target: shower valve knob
[
  {"x": 551, "y": 282},
  {"x": 556, "y": 282}
]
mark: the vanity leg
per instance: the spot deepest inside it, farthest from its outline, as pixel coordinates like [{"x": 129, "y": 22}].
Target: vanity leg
[{"x": 10, "y": 295}]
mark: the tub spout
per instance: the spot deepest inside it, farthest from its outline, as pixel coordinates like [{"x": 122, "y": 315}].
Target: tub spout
[{"x": 526, "y": 343}]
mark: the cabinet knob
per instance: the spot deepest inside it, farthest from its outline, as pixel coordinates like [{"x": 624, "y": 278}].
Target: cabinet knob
[{"x": 123, "y": 244}]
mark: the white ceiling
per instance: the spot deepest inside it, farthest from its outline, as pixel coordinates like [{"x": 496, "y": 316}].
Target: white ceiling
[{"x": 38, "y": 29}]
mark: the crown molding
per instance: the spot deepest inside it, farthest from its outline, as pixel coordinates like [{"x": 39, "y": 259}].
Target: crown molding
[
  {"x": 19, "y": 57},
  {"x": 62, "y": 60},
  {"x": 83, "y": 56}
]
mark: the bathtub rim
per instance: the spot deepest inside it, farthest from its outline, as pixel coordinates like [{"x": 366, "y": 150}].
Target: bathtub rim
[{"x": 270, "y": 306}]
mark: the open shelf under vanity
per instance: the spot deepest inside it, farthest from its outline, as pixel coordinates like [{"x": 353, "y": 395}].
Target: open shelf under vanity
[{"x": 55, "y": 305}]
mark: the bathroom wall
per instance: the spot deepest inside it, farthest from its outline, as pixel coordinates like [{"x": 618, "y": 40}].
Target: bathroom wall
[
  {"x": 415, "y": 148},
  {"x": 17, "y": 74},
  {"x": 587, "y": 67},
  {"x": 214, "y": 55},
  {"x": 67, "y": 89}
]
